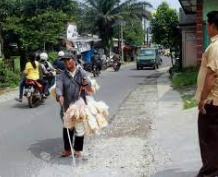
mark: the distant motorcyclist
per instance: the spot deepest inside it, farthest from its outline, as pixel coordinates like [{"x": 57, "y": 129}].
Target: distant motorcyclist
[
  {"x": 96, "y": 61},
  {"x": 116, "y": 62},
  {"x": 59, "y": 64},
  {"x": 48, "y": 70}
]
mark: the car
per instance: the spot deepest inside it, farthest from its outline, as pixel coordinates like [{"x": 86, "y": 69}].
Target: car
[{"x": 148, "y": 57}]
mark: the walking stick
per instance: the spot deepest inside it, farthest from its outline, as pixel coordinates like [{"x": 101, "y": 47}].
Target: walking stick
[{"x": 71, "y": 147}]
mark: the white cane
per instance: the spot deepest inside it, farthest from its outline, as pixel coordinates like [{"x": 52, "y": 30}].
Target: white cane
[{"x": 71, "y": 147}]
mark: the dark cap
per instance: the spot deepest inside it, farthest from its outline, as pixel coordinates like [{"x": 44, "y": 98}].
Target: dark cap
[{"x": 68, "y": 55}]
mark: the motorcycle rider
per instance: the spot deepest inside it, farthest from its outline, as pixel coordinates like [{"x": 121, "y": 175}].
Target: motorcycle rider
[
  {"x": 48, "y": 71},
  {"x": 31, "y": 72},
  {"x": 96, "y": 61},
  {"x": 117, "y": 60},
  {"x": 58, "y": 63}
]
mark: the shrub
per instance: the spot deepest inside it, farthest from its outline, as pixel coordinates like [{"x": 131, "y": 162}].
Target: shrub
[
  {"x": 52, "y": 56},
  {"x": 186, "y": 78},
  {"x": 8, "y": 78}
]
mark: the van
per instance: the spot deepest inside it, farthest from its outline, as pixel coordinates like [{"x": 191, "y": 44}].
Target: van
[{"x": 148, "y": 57}]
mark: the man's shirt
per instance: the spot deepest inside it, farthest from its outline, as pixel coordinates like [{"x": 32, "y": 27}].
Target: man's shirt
[
  {"x": 69, "y": 89},
  {"x": 209, "y": 60}
]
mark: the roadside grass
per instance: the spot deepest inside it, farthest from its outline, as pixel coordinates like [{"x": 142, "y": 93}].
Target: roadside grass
[
  {"x": 189, "y": 101},
  {"x": 185, "y": 82}
]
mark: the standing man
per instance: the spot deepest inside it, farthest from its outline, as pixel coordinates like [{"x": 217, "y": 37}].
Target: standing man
[
  {"x": 68, "y": 85},
  {"x": 207, "y": 95}
]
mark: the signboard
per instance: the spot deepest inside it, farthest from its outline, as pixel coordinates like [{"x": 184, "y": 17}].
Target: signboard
[{"x": 72, "y": 33}]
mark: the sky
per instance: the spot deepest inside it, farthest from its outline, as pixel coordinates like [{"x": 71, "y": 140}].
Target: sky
[{"x": 172, "y": 3}]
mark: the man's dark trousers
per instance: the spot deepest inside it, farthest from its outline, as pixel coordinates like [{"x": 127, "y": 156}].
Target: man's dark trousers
[
  {"x": 78, "y": 141},
  {"x": 208, "y": 140}
]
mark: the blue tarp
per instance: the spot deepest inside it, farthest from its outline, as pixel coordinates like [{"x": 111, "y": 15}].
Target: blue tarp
[{"x": 87, "y": 55}]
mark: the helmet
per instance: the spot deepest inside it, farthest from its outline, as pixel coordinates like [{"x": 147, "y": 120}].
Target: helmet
[
  {"x": 44, "y": 56},
  {"x": 61, "y": 54}
]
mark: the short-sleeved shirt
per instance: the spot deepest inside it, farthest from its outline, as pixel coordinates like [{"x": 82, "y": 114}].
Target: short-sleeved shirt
[
  {"x": 209, "y": 60},
  {"x": 31, "y": 72},
  {"x": 67, "y": 88}
]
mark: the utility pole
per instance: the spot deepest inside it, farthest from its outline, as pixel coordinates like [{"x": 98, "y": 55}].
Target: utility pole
[
  {"x": 147, "y": 31},
  {"x": 121, "y": 36},
  {"x": 144, "y": 25}
]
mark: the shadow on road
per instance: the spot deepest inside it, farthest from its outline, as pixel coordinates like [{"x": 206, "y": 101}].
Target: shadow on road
[
  {"x": 174, "y": 173},
  {"x": 49, "y": 151},
  {"x": 21, "y": 106},
  {"x": 144, "y": 69}
]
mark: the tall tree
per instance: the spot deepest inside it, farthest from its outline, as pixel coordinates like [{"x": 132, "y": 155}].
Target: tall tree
[
  {"x": 164, "y": 27},
  {"x": 102, "y": 15}
]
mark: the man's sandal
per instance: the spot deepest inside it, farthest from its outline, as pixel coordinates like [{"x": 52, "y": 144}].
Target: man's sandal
[{"x": 78, "y": 154}]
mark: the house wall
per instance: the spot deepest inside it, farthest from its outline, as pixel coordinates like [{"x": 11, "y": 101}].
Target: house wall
[
  {"x": 199, "y": 31},
  {"x": 189, "y": 46}
]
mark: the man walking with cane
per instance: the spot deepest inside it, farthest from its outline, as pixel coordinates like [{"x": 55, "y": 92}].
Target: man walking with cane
[
  {"x": 68, "y": 85},
  {"x": 207, "y": 95}
]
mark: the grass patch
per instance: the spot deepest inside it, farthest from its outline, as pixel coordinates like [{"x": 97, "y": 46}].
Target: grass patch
[
  {"x": 189, "y": 101},
  {"x": 185, "y": 82},
  {"x": 184, "y": 79}
]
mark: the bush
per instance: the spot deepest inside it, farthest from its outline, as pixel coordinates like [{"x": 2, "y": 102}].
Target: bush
[
  {"x": 52, "y": 56},
  {"x": 184, "y": 79},
  {"x": 8, "y": 78}
]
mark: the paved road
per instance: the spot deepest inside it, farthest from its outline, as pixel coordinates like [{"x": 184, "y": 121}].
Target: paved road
[{"x": 27, "y": 135}]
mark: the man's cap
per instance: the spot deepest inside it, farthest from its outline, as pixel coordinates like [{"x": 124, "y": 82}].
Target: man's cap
[{"x": 68, "y": 55}]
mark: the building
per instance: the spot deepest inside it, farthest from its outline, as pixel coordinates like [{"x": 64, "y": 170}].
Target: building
[{"x": 195, "y": 40}]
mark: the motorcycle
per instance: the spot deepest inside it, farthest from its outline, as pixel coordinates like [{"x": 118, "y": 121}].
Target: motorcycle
[
  {"x": 116, "y": 65},
  {"x": 92, "y": 69},
  {"x": 33, "y": 92},
  {"x": 95, "y": 71}
]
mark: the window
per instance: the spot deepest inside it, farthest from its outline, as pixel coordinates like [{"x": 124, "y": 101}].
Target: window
[{"x": 147, "y": 52}]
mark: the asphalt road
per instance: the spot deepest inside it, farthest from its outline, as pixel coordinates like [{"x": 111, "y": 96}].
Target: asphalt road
[{"x": 27, "y": 135}]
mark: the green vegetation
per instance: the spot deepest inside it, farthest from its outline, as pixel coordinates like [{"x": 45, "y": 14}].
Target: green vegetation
[
  {"x": 184, "y": 79},
  {"x": 185, "y": 82},
  {"x": 8, "y": 78},
  {"x": 164, "y": 27},
  {"x": 30, "y": 23},
  {"x": 133, "y": 33},
  {"x": 105, "y": 15},
  {"x": 189, "y": 101},
  {"x": 52, "y": 56}
]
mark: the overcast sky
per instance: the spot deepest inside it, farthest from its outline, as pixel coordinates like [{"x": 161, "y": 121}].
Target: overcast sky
[{"x": 173, "y": 3}]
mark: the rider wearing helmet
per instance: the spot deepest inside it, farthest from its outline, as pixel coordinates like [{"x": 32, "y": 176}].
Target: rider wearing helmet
[
  {"x": 96, "y": 60},
  {"x": 48, "y": 70},
  {"x": 59, "y": 64}
]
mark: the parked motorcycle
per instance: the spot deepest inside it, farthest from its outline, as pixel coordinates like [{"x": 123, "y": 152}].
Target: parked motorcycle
[{"x": 33, "y": 92}]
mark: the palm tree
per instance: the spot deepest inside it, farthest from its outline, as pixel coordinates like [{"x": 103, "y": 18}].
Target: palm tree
[{"x": 102, "y": 15}]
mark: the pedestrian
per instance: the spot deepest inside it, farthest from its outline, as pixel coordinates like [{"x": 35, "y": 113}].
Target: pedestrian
[
  {"x": 68, "y": 85},
  {"x": 207, "y": 96}
]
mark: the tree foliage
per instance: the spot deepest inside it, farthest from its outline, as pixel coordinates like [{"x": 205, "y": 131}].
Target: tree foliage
[
  {"x": 35, "y": 22},
  {"x": 164, "y": 27},
  {"x": 100, "y": 16},
  {"x": 134, "y": 33}
]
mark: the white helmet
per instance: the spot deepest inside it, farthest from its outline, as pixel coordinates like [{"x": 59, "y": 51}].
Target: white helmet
[
  {"x": 61, "y": 54},
  {"x": 44, "y": 56}
]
